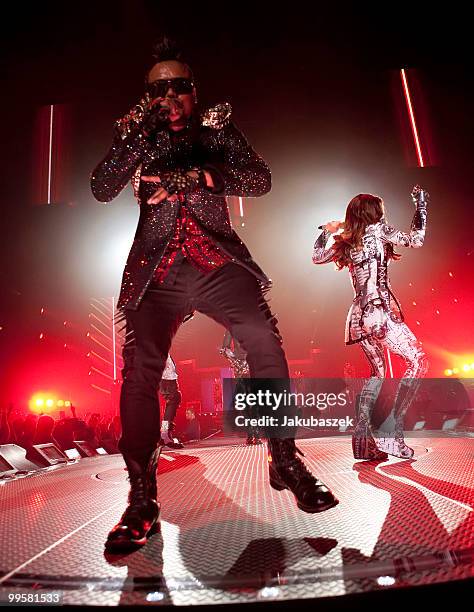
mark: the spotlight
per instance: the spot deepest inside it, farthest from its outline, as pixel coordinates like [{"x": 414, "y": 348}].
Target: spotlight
[
  {"x": 39, "y": 402},
  {"x": 466, "y": 367},
  {"x": 448, "y": 372},
  {"x": 60, "y": 403},
  {"x": 49, "y": 403},
  {"x": 67, "y": 404}
]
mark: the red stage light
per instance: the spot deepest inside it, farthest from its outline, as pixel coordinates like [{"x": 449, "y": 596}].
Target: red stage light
[{"x": 411, "y": 114}]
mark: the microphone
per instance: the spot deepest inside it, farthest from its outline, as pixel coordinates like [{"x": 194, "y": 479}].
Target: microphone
[
  {"x": 163, "y": 113},
  {"x": 341, "y": 225},
  {"x": 155, "y": 120}
]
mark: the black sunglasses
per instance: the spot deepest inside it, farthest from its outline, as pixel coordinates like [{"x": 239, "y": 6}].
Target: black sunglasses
[{"x": 159, "y": 88}]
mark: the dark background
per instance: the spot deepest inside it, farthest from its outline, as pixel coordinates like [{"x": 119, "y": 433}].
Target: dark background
[{"x": 317, "y": 92}]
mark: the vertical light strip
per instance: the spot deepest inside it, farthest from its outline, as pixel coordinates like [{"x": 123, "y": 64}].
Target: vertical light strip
[
  {"x": 50, "y": 160},
  {"x": 411, "y": 114},
  {"x": 241, "y": 207},
  {"x": 389, "y": 361},
  {"x": 113, "y": 340}
]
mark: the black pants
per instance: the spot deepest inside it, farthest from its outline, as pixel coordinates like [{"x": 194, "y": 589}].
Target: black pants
[
  {"x": 169, "y": 389},
  {"x": 231, "y": 296}
]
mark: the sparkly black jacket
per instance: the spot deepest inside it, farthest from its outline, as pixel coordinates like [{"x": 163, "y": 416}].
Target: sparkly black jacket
[{"x": 214, "y": 144}]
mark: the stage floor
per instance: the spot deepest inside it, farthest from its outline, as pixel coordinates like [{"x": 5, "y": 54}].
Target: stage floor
[{"x": 227, "y": 537}]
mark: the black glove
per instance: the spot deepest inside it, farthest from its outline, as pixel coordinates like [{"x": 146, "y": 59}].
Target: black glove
[
  {"x": 155, "y": 120},
  {"x": 179, "y": 181}
]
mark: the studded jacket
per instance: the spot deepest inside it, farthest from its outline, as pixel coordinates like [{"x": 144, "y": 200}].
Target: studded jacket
[
  {"x": 369, "y": 267},
  {"x": 212, "y": 142}
]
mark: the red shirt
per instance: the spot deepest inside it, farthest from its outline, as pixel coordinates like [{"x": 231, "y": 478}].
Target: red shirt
[{"x": 198, "y": 248}]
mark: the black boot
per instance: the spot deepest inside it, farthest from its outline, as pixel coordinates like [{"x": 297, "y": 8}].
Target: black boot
[
  {"x": 167, "y": 437},
  {"x": 287, "y": 471},
  {"x": 140, "y": 518}
]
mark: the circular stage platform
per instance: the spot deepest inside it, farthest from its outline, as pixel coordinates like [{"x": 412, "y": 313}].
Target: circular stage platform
[{"x": 227, "y": 537}]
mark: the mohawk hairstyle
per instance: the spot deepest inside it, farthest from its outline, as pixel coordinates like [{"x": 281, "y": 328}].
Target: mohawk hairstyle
[{"x": 166, "y": 49}]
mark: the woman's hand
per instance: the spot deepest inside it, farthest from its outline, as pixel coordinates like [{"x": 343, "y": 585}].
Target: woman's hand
[
  {"x": 334, "y": 226},
  {"x": 419, "y": 196}
]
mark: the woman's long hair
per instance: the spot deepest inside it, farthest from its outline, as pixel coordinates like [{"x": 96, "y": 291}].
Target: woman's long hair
[{"x": 363, "y": 210}]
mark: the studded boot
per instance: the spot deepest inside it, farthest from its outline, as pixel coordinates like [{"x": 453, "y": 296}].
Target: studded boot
[
  {"x": 140, "y": 518},
  {"x": 287, "y": 471}
]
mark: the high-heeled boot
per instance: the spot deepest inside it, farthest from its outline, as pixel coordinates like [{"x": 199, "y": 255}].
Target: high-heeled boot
[
  {"x": 287, "y": 471},
  {"x": 363, "y": 443},
  {"x": 393, "y": 442},
  {"x": 140, "y": 518}
]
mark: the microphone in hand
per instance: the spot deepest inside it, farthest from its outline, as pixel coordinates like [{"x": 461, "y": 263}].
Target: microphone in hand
[
  {"x": 420, "y": 196},
  {"x": 332, "y": 226},
  {"x": 156, "y": 119}
]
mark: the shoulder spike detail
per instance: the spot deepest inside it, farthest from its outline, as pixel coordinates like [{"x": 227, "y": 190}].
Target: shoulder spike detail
[{"x": 217, "y": 116}]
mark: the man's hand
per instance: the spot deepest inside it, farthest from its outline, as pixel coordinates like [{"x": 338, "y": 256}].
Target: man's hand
[
  {"x": 155, "y": 119},
  {"x": 334, "y": 226},
  {"x": 160, "y": 194}
]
